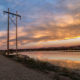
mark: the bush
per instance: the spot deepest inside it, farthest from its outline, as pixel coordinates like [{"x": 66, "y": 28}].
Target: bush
[{"x": 19, "y": 60}]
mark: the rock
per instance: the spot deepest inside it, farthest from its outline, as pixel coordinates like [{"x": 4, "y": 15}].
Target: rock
[
  {"x": 56, "y": 76},
  {"x": 75, "y": 77},
  {"x": 63, "y": 74},
  {"x": 64, "y": 78}
]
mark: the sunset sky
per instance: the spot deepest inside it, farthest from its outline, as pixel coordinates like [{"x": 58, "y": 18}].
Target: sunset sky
[{"x": 44, "y": 23}]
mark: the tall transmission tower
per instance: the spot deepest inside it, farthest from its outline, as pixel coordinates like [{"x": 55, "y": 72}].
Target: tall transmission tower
[{"x": 8, "y": 28}]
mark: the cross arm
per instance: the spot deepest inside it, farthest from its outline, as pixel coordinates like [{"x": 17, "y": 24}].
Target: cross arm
[{"x": 12, "y": 13}]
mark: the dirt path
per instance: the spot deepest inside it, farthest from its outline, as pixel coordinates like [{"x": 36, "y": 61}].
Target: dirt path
[{"x": 11, "y": 70}]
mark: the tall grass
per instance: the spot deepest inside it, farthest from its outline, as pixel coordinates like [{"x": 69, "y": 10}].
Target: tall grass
[{"x": 44, "y": 66}]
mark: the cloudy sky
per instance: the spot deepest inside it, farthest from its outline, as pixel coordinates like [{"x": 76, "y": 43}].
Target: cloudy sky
[{"x": 44, "y": 23}]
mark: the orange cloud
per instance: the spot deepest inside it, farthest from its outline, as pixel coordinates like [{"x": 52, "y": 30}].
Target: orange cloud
[{"x": 48, "y": 25}]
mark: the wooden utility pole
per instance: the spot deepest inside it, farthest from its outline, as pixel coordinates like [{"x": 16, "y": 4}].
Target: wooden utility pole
[
  {"x": 16, "y": 33},
  {"x": 8, "y": 29},
  {"x": 8, "y": 34}
]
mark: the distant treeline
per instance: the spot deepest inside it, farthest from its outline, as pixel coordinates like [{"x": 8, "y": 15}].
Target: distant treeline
[{"x": 48, "y": 49}]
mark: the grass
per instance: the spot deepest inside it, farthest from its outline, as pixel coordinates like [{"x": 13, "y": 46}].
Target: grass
[
  {"x": 10, "y": 56},
  {"x": 43, "y": 66},
  {"x": 37, "y": 64}
]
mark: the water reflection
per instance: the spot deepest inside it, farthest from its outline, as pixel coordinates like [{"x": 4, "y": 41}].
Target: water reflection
[{"x": 51, "y": 55}]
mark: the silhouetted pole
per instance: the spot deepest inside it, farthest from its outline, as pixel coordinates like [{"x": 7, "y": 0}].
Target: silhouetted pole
[
  {"x": 16, "y": 33},
  {"x": 8, "y": 34},
  {"x": 8, "y": 28}
]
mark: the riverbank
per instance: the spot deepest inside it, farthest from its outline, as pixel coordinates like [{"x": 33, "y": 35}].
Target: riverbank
[
  {"x": 11, "y": 70},
  {"x": 51, "y": 71},
  {"x": 65, "y": 63}
]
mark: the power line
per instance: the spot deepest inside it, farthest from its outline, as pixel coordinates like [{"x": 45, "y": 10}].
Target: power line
[
  {"x": 24, "y": 11},
  {"x": 11, "y": 9},
  {"x": 34, "y": 5},
  {"x": 8, "y": 28},
  {"x": 18, "y": 4},
  {"x": 42, "y": 9},
  {"x": 47, "y": 7}
]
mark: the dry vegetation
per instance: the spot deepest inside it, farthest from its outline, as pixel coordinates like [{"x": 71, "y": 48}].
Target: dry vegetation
[{"x": 47, "y": 67}]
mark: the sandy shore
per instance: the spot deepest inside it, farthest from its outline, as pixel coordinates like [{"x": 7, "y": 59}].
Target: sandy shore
[{"x": 11, "y": 70}]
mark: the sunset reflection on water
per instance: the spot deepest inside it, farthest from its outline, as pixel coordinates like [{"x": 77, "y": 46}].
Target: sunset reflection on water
[{"x": 53, "y": 55}]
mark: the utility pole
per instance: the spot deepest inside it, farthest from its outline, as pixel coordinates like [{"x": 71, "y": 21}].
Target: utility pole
[
  {"x": 8, "y": 28},
  {"x": 8, "y": 34},
  {"x": 16, "y": 33}
]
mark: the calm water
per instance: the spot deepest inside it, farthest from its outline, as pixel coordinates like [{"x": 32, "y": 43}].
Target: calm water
[{"x": 51, "y": 55}]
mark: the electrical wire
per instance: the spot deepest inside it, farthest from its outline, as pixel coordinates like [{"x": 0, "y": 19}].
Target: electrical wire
[
  {"x": 43, "y": 9},
  {"x": 18, "y": 4},
  {"x": 12, "y": 9},
  {"x": 34, "y": 5},
  {"x": 40, "y": 10},
  {"x": 23, "y": 11},
  {"x": 46, "y": 8}
]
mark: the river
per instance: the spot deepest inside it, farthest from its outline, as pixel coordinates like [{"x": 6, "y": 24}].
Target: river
[{"x": 53, "y": 55}]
